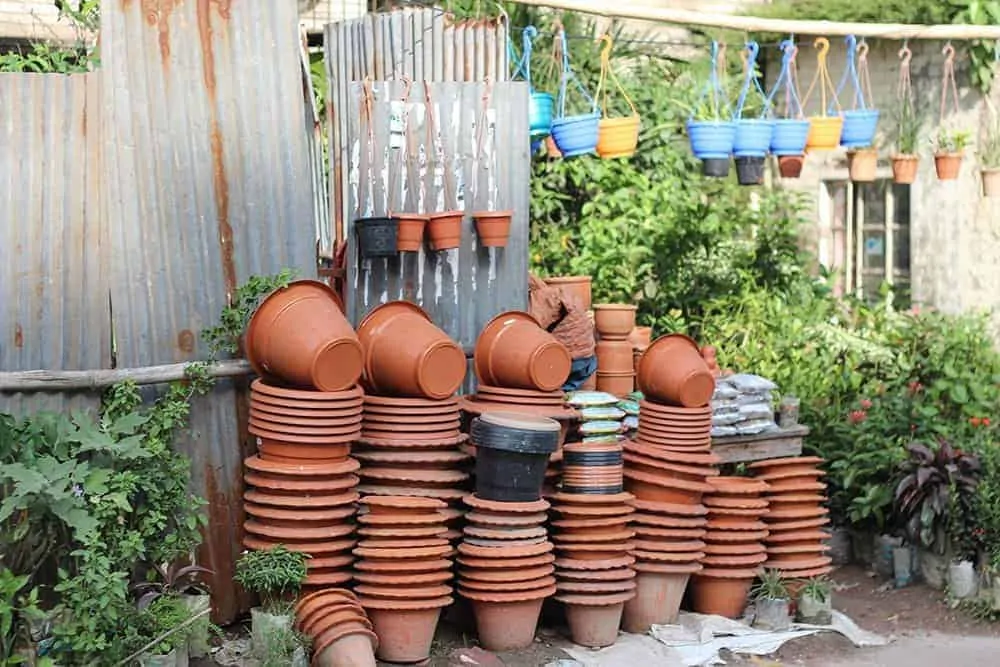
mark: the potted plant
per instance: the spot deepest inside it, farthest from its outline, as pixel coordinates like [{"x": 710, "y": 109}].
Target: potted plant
[
  {"x": 907, "y": 139},
  {"x": 187, "y": 584},
  {"x": 948, "y": 153},
  {"x": 815, "y": 602},
  {"x": 989, "y": 162},
  {"x": 934, "y": 494},
  {"x": 771, "y": 602},
  {"x": 276, "y": 576},
  {"x": 159, "y": 634}
]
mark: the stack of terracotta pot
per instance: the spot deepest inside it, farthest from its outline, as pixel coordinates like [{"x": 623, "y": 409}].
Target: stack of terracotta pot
[
  {"x": 403, "y": 571},
  {"x": 640, "y": 338},
  {"x": 338, "y": 626},
  {"x": 734, "y": 548},
  {"x": 796, "y": 545},
  {"x": 409, "y": 445},
  {"x": 615, "y": 365},
  {"x": 301, "y": 488},
  {"x": 593, "y": 540},
  {"x": 505, "y": 569}
]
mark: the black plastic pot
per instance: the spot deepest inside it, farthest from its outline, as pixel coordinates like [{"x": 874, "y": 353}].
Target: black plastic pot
[
  {"x": 593, "y": 490},
  {"x": 750, "y": 170},
  {"x": 512, "y": 452},
  {"x": 377, "y": 237},
  {"x": 715, "y": 167},
  {"x": 592, "y": 458}
]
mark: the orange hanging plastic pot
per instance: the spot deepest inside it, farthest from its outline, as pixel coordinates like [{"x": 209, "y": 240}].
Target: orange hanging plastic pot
[
  {"x": 300, "y": 335},
  {"x": 410, "y": 236},
  {"x": 445, "y": 230},
  {"x": 493, "y": 227}
]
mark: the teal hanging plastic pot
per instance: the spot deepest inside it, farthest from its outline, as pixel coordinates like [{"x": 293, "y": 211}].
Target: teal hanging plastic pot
[
  {"x": 711, "y": 139},
  {"x": 859, "y": 128},
  {"x": 576, "y": 135},
  {"x": 753, "y": 137},
  {"x": 540, "y": 107},
  {"x": 789, "y": 137}
]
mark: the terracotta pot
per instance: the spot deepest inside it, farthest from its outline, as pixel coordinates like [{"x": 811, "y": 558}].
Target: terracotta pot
[
  {"x": 299, "y": 334},
  {"x": 947, "y": 165},
  {"x": 722, "y": 596},
  {"x": 405, "y": 636},
  {"x": 657, "y": 601},
  {"x": 789, "y": 466},
  {"x": 663, "y": 489},
  {"x": 673, "y": 371},
  {"x": 862, "y": 164},
  {"x": 351, "y": 650},
  {"x": 507, "y": 621},
  {"x": 614, "y": 356},
  {"x": 407, "y": 355},
  {"x": 445, "y": 230},
  {"x": 790, "y": 166},
  {"x": 641, "y": 337},
  {"x": 616, "y": 384},
  {"x": 290, "y": 452},
  {"x": 614, "y": 321},
  {"x": 514, "y": 351},
  {"x": 493, "y": 227},
  {"x": 904, "y": 169},
  {"x": 573, "y": 287},
  {"x": 991, "y": 182},
  {"x": 593, "y": 625},
  {"x": 411, "y": 231}
]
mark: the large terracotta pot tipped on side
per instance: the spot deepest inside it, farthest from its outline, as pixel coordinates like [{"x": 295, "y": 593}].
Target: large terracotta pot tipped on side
[
  {"x": 673, "y": 371},
  {"x": 514, "y": 351},
  {"x": 493, "y": 227},
  {"x": 300, "y": 335},
  {"x": 407, "y": 355}
]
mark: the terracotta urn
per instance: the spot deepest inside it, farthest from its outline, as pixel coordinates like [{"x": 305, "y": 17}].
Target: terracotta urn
[
  {"x": 614, "y": 321},
  {"x": 406, "y": 355},
  {"x": 405, "y": 630},
  {"x": 594, "y": 619},
  {"x": 507, "y": 621},
  {"x": 299, "y": 334},
  {"x": 722, "y": 592},
  {"x": 672, "y": 371},
  {"x": 614, "y": 356},
  {"x": 657, "y": 601},
  {"x": 514, "y": 351}
]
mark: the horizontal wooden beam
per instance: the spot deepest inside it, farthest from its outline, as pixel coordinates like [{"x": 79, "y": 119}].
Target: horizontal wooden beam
[
  {"x": 898, "y": 31},
  {"x": 41, "y": 380}
]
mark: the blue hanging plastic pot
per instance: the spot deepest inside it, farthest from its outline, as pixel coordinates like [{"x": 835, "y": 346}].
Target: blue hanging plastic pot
[
  {"x": 789, "y": 136},
  {"x": 540, "y": 107},
  {"x": 711, "y": 139},
  {"x": 753, "y": 137},
  {"x": 859, "y": 128},
  {"x": 535, "y": 145},
  {"x": 576, "y": 135}
]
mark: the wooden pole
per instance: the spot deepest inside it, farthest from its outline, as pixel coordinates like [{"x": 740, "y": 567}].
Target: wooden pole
[
  {"x": 18, "y": 381},
  {"x": 897, "y": 31}
]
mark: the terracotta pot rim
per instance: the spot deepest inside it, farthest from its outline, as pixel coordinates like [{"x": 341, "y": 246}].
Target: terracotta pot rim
[
  {"x": 667, "y": 482},
  {"x": 614, "y": 306},
  {"x": 646, "y": 567},
  {"x": 729, "y": 573},
  {"x": 411, "y": 442},
  {"x": 446, "y": 214},
  {"x": 623, "y": 498},
  {"x": 277, "y": 391},
  {"x": 626, "y": 560},
  {"x": 410, "y": 216},
  {"x": 596, "y": 600},
  {"x": 405, "y": 605},
  {"x": 416, "y": 564},
  {"x": 786, "y": 461},
  {"x": 697, "y": 458},
  {"x": 493, "y": 214},
  {"x": 479, "y": 597},
  {"x": 688, "y": 510},
  {"x": 413, "y": 491},
  {"x": 258, "y": 464},
  {"x": 261, "y": 497},
  {"x": 671, "y": 411},
  {"x": 532, "y": 507}
]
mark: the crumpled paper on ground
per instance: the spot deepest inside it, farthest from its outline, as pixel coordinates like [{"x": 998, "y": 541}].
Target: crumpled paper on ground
[{"x": 697, "y": 640}]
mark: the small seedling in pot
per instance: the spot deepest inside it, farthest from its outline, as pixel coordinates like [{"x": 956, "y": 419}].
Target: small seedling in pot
[
  {"x": 815, "y": 603},
  {"x": 276, "y": 575},
  {"x": 771, "y": 601}
]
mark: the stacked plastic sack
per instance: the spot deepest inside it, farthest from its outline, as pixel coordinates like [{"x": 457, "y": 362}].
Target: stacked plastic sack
[
  {"x": 742, "y": 405},
  {"x": 602, "y": 416}
]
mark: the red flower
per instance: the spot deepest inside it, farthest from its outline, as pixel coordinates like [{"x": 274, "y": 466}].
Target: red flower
[
  {"x": 865, "y": 403},
  {"x": 975, "y": 421},
  {"x": 915, "y": 387},
  {"x": 986, "y": 421},
  {"x": 858, "y": 416}
]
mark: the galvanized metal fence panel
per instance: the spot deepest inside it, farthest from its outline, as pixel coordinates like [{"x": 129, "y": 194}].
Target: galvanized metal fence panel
[
  {"x": 209, "y": 182},
  {"x": 471, "y": 153},
  {"x": 419, "y": 44},
  {"x": 53, "y": 278}
]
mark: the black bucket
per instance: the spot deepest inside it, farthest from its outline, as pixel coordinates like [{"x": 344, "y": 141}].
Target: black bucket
[
  {"x": 512, "y": 453},
  {"x": 377, "y": 237},
  {"x": 750, "y": 170},
  {"x": 715, "y": 167}
]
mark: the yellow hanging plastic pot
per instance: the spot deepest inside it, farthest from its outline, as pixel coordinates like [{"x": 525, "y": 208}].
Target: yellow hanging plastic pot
[
  {"x": 616, "y": 137},
  {"x": 824, "y": 130}
]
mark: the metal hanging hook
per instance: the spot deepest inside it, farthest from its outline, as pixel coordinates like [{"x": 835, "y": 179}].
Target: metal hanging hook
[
  {"x": 862, "y": 50},
  {"x": 949, "y": 53},
  {"x": 606, "y": 40},
  {"x": 905, "y": 55},
  {"x": 822, "y": 44}
]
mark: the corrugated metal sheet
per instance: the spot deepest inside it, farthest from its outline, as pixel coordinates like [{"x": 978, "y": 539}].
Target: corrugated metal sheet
[
  {"x": 461, "y": 289},
  {"x": 327, "y": 11},
  {"x": 209, "y": 182},
  {"x": 421, "y": 44},
  {"x": 53, "y": 277}
]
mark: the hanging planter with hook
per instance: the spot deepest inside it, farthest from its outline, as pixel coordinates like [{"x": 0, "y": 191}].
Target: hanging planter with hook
[
  {"x": 711, "y": 130},
  {"x": 573, "y": 135},
  {"x": 949, "y": 152},
  {"x": 540, "y": 105},
  {"x": 824, "y": 130},
  {"x": 492, "y": 226},
  {"x": 445, "y": 227},
  {"x": 753, "y": 135},
  {"x": 377, "y": 235},
  {"x": 411, "y": 225},
  {"x": 788, "y": 141},
  {"x": 905, "y": 161},
  {"x": 861, "y": 122},
  {"x": 616, "y": 137}
]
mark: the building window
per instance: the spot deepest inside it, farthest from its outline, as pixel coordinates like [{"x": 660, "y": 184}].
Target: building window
[{"x": 868, "y": 243}]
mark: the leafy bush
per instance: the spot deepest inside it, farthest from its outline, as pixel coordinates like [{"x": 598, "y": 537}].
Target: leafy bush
[{"x": 274, "y": 574}]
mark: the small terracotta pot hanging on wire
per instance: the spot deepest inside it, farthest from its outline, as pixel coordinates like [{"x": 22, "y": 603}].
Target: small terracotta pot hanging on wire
[
  {"x": 951, "y": 144},
  {"x": 445, "y": 227},
  {"x": 492, "y": 226}
]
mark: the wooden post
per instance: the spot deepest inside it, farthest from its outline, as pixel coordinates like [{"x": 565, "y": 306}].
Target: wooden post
[{"x": 782, "y": 26}]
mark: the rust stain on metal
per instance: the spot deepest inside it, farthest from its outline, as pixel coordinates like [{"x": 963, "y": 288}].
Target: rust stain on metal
[
  {"x": 18, "y": 335},
  {"x": 185, "y": 341},
  {"x": 157, "y": 14},
  {"x": 215, "y": 551},
  {"x": 220, "y": 182}
]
